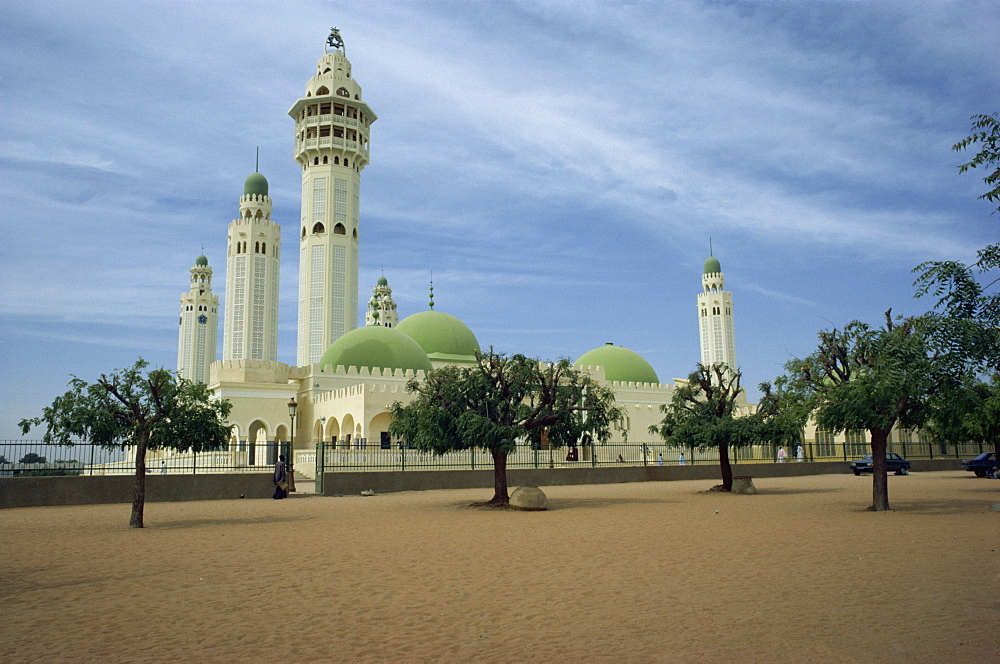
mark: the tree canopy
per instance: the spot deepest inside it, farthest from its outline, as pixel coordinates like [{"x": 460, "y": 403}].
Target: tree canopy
[
  {"x": 861, "y": 377},
  {"x": 703, "y": 413},
  {"x": 133, "y": 408},
  {"x": 499, "y": 401}
]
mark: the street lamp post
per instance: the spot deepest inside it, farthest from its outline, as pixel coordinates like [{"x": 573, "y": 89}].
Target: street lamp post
[{"x": 290, "y": 465}]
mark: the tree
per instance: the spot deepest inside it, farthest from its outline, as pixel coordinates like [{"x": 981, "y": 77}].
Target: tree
[
  {"x": 703, "y": 413},
  {"x": 130, "y": 408},
  {"x": 870, "y": 378},
  {"x": 500, "y": 400},
  {"x": 31, "y": 457},
  {"x": 968, "y": 410},
  {"x": 960, "y": 294}
]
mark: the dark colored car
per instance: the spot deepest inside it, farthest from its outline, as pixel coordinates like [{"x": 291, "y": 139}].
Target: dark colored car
[
  {"x": 893, "y": 462},
  {"x": 982, "y": 465}
]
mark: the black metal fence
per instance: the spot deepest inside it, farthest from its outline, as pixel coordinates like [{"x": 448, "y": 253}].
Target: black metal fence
[{"x": 32, "y": 458}]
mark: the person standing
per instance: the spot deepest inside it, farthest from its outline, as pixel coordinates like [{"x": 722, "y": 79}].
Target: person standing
[
  {"x": 280, "y": 480},
  {"x": 659, "y": 459},
  {"x": 801, "y": 453},
  {"x": 781, "y": 454},
  {"x": 680, "y": 459}
]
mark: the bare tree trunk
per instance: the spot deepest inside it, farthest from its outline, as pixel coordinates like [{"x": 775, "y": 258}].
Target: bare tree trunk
[
  {"x": 139, "y": 490},
  {"x": 880, "y": 481},
  {"x": 725, "y": 467},
  {"x": 500, "y": 496}
]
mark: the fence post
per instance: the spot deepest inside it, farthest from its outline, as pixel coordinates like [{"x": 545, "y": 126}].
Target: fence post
[
  {"x": 320, "y": 465},
  {"x": 194, "y": 462}
]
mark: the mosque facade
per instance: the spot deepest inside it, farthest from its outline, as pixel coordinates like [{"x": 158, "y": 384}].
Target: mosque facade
[{"x": 346, "y": 378}]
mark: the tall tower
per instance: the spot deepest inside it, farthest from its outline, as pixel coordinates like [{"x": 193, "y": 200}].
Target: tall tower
[
  {"x": 715, "y": 316},
  {"x": 252, "y": 255},
  {"x": 199, "y": 329},
  {"x": 381, "y": 306},
  {"x": 332, "y": 128}
]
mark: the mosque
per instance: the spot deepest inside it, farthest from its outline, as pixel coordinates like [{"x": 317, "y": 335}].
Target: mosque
[{"x": 347, "y": 377}]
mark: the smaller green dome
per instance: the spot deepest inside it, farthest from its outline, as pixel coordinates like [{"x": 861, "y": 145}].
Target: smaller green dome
[
  {"x": 201, "y": 261},
  {"x": 620, "y": 364},
  {"x": 382, "y": 281},
  {"x": 376, "y": 347},
  {"x": 255, "y": 184},
  {"x": 712, "y": 265},
  {"x": 443, "y": 337}
]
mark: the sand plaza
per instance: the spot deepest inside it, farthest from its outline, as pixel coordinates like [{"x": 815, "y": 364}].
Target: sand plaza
[{"x": 640, "y": 572}]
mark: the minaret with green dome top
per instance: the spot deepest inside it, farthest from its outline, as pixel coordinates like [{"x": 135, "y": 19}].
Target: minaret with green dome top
[
  {"x": 715, "y": 317},
  {"x": 381, "y": 306},
  {"x": 332, "y": 129},
  {"x": 253, "y": 252},
  {"x": 199, "y": 325}
]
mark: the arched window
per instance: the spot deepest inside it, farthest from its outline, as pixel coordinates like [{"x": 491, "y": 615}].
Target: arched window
[
  {"x": 323, "y": 90},
  {"x": 319, "y": 228},
  {"x": 346, "y": 162},
  {"x": 336, "y": 161},
  {"x": 248, "y": 214},
  {"x": 303, "y": 232},
  {"x": 256, "y": 247},
  {"x": 263, "y": 248},
  {"x": 355, "y": 233},
  {"x": 315, "y": 161},
  {"x": 325, "y": 159},
  {"x": 343, "y": 92},
  {"x": 339, "y": 230}
]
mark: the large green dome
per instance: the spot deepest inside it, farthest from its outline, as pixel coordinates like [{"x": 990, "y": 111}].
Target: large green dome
[
  {"x": 201, "y": 261},
  {"x": 712, "y": 265},
  {"x": 376, "y": 346},
  {"x": 442, "y": 336},
  {"x": 255, "y": 184},
  {"x": 620, "y": 364}
]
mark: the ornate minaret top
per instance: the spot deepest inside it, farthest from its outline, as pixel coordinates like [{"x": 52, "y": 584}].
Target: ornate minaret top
[
  {"x": 381, "y": 306},
  {"x": 715, "y": 317}
]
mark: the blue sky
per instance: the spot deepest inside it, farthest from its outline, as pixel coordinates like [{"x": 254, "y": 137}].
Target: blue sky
[{"x": 558, "y": 166}]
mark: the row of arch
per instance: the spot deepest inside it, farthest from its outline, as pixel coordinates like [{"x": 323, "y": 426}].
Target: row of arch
[
  {"x": 339, "y": 229},
  {"x": 346, "y": 429},
  {"x": 258, "y": 247},
  {"x": 336, "y": 161}
]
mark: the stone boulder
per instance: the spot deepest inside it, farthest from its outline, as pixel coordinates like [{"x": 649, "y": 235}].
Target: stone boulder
[
  {"x": 743, "y": 485},
  {"x": 528, "y": 498}
]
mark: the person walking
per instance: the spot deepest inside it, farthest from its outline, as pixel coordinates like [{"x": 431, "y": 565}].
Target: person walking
[
  {"x": 680, "y": 459},
  {"x": 781, "y": 454},
  {"x": 280, "y": 479}
]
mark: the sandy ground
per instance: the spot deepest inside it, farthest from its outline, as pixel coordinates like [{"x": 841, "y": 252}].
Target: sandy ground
[{"x": 615, "y": 573}]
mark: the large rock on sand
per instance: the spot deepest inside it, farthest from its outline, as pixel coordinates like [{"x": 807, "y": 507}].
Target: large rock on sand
[
  {"x": 529, "y": 498},
  {"x": 743, "y": 485}
]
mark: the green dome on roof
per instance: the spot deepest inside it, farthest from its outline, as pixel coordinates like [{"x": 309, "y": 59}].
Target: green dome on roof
[
  {"x": 712, "y": 265},
  {"x": 442, "y": 336},
  {"x": 376, "y": 346},
  {"x": 620, "y": 364},
  {"x": 255, "y": 184},
  {"x": 382, "y": 281},
  {"x": 201, "y": 261}
]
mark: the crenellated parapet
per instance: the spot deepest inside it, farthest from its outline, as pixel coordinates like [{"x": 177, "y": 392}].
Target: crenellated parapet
[{"x": 251, "y": 371}]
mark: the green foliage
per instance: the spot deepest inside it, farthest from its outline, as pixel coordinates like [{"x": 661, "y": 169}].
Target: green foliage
[
  {"x": 869, "y": 378},
  {"x": 960, "y": 293},
  {"x": 31, "y": 457},
  {"x": 133, "y": 408},
  {"x": 703, "y": 413},
  {"x": 500, "y": 400},
  {"x": 986, "y": 134}
]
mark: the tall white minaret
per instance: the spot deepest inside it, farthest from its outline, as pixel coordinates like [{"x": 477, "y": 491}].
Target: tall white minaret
[
  {"x": 252, "y": 262},
  {"x": 715, "y": 317},
  {"x": 332, "y": 127},
  {"x": 381, "y": 306},
  {"x": 199, "y": 328}
]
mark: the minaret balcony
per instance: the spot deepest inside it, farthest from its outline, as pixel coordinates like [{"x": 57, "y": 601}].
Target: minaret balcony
[
  {"x": 332, "y": 118},
  {"x": 329, "y": 142}
]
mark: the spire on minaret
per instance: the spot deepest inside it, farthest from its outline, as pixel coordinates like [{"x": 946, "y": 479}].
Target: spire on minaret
[{"x": 431, "y": 303}]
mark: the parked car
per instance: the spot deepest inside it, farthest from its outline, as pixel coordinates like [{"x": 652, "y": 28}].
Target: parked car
[
  {"x": 982, "y": 465},
  {"x": 893, "y": 462}
]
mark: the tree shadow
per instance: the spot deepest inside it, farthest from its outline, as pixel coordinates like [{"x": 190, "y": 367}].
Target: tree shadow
[{"x": 199, "y": 523}]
